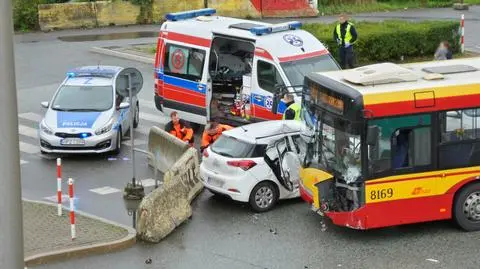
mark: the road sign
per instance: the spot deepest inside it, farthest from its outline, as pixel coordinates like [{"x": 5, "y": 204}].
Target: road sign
[{"x": 122, "y": 83}]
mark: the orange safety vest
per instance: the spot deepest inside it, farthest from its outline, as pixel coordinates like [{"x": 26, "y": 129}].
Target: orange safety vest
[
  {"x": 208, "y": 139},
  {"x": 181, "y": 130}
]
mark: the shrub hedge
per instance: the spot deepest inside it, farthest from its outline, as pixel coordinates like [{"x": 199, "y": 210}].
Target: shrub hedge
[
  {"x": 25, "y": 13},
  {"x": 392, "y": 40}
]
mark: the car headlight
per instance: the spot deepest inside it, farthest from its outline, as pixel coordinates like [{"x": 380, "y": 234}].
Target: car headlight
[
  {"x": 44, "y": 128},
  {"x": 105, "y": 129}
]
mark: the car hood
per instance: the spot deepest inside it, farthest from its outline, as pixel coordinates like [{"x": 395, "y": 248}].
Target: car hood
[{"x": 77, "y": 120}]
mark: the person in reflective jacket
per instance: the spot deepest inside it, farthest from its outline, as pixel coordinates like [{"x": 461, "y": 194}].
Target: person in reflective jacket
[
  {"x": 180, "y": 128},
  {"x": 212, "y": 132}
]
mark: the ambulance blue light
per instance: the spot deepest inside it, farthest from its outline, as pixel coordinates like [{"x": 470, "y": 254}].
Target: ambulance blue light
[
  {"x": 190, "y": 14},
  {"x": 276, "y": 28}
]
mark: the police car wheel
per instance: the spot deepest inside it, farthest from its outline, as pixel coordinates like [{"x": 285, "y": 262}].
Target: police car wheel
[
  {"x": 118, "y": 142},
  {"x": 136, "y": 118}
]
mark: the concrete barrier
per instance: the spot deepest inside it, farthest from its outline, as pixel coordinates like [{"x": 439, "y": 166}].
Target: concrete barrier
[
  {"x": 166, "y": 148},
  {"x": 168, "y": 207}
]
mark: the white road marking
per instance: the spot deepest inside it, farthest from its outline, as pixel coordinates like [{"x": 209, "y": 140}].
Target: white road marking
[
  {"x": 153, "y": 118},
  {"x": 149, "y": 182},
  {"x": 28, "y": 148},
  {"x": 31, "y": 116},
  {"x": 433, "y": 260},
  {"x": 138, "y": 142},
  {"x": 27, "y": 131},
  {"x": 53, "y": 198},
  {"x": 23, "y": 162},
  {"x": 105, "y": 190}
]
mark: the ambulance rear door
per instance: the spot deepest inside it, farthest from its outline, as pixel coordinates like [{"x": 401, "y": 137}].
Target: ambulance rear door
[{"x": 185, "y": 80}]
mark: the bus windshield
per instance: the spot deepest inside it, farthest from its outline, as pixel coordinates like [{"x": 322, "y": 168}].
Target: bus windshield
[{"x": 335, "y": 147}]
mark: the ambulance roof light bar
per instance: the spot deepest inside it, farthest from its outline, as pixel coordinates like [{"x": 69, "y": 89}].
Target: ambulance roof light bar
[
  {"x": 190, "y": 14},
  {"x": 293, "y": 25}
]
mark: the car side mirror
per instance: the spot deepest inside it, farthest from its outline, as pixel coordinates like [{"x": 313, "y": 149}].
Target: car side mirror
[
  {"x": 44, "y": 104},
  {"x": 123, "y": 105},
  {"x": 372, "y": 135}
]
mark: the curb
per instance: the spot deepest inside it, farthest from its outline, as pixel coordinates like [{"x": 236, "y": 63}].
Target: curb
[
  {"x": 123, "y": 55},
  {"x": 76, "y": 252}
]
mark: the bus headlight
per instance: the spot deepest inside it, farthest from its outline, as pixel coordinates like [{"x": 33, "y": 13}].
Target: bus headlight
[{"x": 106, "y": 128}]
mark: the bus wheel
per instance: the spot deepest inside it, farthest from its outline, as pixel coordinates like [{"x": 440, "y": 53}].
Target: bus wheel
[{"x": 466, "y": 209}]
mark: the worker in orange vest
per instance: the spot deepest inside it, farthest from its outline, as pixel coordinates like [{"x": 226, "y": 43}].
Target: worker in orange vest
[
  {"x": 213, "y": 130},
  {"x": 180, "y": 128}
]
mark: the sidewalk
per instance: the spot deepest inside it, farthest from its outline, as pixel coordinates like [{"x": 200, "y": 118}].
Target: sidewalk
[{"x": 47, "y": 236}]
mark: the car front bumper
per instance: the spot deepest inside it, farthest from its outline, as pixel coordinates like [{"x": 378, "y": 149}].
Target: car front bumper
[{"x": 93, "y": 144}]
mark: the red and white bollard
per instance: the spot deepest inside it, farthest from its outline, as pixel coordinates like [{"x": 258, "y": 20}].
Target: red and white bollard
[
  {"x": 59, "y": 187},
  {"x": 462, "y": 40},
  {"x": 72, "y": 210}
]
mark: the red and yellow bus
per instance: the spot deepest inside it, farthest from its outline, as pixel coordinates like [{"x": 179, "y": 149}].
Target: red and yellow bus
[{"x": 394, "y": 144}]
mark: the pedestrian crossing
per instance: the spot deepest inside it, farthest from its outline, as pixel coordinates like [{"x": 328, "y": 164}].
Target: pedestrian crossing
[{"x": 29, "y": 122}]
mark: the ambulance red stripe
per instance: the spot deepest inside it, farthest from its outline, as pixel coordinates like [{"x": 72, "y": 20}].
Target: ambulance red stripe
[
  {"x": 189, "y": 39},
  {"x": 303, "y": 56},
  {"x": 259, "y": 52},
  {"x": 183, "y": 95}
]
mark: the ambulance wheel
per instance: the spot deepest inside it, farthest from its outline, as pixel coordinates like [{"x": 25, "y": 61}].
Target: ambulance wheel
[
  {"x": 118, "y": 142},
  {"x": 136, "y": 118},
  {"x": 263, "y": 197},
  {"x": 466, "y": 207}
]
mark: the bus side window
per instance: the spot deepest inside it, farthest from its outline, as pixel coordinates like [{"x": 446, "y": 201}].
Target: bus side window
[{"x": 460, "y": 145}]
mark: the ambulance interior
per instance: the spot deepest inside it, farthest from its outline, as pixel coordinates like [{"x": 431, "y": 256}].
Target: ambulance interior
[{"x": 230, "y": 68}]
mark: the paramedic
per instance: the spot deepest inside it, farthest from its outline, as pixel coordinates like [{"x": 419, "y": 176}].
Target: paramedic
[
  {"x": 345, "y": 35},
  {"x": 213, "y": 130},
  {"x": 180, "y": 128},
  {"x": 293, "y": 109}
]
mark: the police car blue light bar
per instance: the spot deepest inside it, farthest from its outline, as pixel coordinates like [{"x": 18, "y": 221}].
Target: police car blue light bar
[
  {"x": 190, "y": 14},
  {"x": 276, "y": 28},
  {"x": 92, "y": 72}
]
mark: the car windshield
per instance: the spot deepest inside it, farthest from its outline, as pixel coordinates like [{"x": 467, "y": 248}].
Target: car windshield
[
  {"x": 297, "y": 70},
  {"x": 233, "y": 148},
  {"x": 333, "y": 147},
  {"x": 83, "y": 98}
]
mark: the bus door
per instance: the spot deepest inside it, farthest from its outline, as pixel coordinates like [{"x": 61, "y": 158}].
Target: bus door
[
  {"x": 266, "y": 79},
  {"x": 185, "y": 80}
]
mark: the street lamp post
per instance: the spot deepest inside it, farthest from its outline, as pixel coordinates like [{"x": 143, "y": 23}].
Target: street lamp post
[{"x": 11, "y": 223}]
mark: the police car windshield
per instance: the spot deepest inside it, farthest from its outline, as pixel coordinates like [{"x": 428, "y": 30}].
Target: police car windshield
[
  {"x": 83, "y": 98},
  {"x": 297, "y": 70}
]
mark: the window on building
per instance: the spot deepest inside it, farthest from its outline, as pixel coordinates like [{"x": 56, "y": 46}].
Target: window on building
[
  {"x": 268, "y": 76},
  {"x": 184, "y": 62}
]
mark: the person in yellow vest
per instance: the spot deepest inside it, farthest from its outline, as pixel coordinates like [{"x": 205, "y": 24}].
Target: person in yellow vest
[
  {"x": 293, "y": 109},
  {"x": 346, "y": 36}
]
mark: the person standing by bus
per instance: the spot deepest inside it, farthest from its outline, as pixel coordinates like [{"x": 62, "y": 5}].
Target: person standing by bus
[
  {"x": 345, "y": 35},
  {"x": 293, "y": 109},
  {"x": 180, "y": 128}
]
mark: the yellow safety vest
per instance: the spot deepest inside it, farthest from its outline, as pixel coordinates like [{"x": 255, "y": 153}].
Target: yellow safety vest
[
  {"x": 295, "y": 107},
  {"x": 348, "y": 35}
]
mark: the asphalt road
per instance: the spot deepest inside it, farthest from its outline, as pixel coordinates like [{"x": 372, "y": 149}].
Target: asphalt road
[{"x": 222, "y": 234}]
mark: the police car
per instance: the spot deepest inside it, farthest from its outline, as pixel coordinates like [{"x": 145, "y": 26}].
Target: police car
[{"x": 86, "y": 115}]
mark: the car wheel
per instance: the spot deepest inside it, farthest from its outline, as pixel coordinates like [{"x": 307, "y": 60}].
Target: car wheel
[
  {"x": 118, "y": 142},
  {"x": 136, "y": 118},
  {"x": 263, "y": 197},
  {"x": 466, "y": 209}
]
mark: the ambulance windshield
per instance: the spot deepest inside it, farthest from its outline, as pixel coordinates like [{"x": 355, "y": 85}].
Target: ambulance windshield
[{"x": 297, "y": 70}]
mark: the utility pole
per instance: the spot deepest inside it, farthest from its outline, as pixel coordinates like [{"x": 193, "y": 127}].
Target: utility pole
[{"x": 11, "y": 223}]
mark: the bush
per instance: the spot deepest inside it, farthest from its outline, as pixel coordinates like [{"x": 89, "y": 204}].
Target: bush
[
  {"x": 392, "y": 40},
  {"x": 25, "y": 13}
]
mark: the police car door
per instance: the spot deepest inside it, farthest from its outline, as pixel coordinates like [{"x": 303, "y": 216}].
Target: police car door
[
  {"x": 281, "y": 156},
  {"x": 185, "y": 80},
  {"x": 265, "y": 81}
]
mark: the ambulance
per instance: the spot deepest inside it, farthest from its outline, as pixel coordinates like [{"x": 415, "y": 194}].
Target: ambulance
[{"x": 228, "y": 69}]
